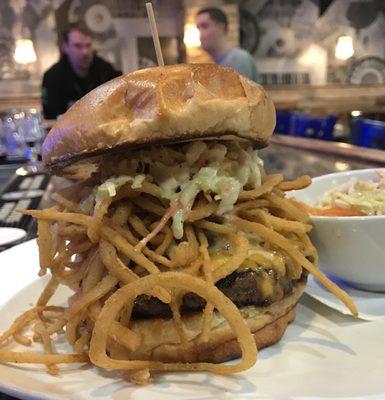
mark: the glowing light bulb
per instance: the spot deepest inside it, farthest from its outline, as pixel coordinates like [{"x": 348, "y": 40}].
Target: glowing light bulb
[
  {"x": 24, "y": 51},
  {"x": 312, "y": 55},
  {"x": 191, "y": 36},
  {"x": 344, "y": 47}
]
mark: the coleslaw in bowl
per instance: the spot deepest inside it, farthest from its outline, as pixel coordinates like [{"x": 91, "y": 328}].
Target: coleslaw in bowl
[
  {"x": 351, "y": 246},
  {"x": 355, "y": 197}
]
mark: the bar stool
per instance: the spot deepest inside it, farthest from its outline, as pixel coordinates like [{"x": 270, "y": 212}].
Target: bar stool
[
  {"x": 283, "y": 123},
  {"x": 312, "y": 127},
  {"x": 368, "y": 133}
]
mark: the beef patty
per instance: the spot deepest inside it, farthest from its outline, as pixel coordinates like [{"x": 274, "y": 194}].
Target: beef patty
[{"x": 259, "y": 287}]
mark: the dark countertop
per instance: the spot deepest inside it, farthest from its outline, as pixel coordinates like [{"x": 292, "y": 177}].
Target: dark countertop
[
  {"x": 293, "y": 161},
  {"x": 292, "y": 157},
  {"x": 6, "y": 173}
]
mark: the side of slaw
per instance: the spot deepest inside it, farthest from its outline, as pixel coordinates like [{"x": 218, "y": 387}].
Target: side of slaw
[{"x": 353, "y": 198}]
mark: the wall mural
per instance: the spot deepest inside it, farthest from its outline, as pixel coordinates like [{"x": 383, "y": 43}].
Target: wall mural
[
  {"x": 114, "y": 25},
  {"x": 292, "y": 44},
  {"x": 97, "y": 19},
  {"x": 22, "y": 19},
  {"x": 364, "y": 21},
  {"x": 276, "y": 32},
  {"x": 7, "y": 22},
  {"x": 108, "y": 23},
  {"x": 32, "y": 19},
  {"x": 282, "y": 28}
]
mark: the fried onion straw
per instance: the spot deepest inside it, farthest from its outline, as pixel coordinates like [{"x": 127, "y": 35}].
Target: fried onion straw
[
  {"x": 113, "y": 249},
  {"x": 170, "y": 280},
  {"x": 285, "y": 245}
]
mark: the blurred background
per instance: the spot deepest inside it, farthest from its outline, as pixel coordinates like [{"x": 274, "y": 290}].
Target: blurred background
[
  {"x": 323, "y": 63},
  {"x": 318, "y": 59}
]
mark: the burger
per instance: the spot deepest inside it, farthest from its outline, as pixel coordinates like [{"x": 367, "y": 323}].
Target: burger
[{"x": 180, "y": 250}]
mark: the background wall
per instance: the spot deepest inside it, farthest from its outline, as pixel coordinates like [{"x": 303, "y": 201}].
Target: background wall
[
  {"x": 25, "y": 19},
  {"x": 119, "y": 29},
  {"x": 279, "y": 34},
  {"x": 364, "y": 21},
  {"x": 293, "y": 41}
]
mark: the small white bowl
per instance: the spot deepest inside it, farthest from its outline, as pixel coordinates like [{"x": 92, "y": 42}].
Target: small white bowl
[{"x": 349, "y": 248}]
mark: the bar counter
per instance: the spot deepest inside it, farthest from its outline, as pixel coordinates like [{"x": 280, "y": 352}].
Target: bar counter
[{"x": 292, "y": 156}]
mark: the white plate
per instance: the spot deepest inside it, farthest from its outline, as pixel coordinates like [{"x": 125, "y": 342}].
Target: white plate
[
  {"x": 323, "y": 355},
  {"x": 371, "y": 305},
  {"x": 10, "y": 235}
]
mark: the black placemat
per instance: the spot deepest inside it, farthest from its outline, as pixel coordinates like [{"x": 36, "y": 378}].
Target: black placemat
[{"x": 23, "y": 192}]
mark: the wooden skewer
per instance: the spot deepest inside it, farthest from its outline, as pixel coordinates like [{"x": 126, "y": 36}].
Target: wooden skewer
[{"x": 155, "y": 35}]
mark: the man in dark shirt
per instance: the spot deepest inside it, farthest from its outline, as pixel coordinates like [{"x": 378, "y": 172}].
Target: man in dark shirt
[{"x": 78, "y": 71}]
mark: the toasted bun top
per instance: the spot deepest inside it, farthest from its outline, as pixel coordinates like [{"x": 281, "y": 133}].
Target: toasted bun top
[{"x": 162, "y": 104}]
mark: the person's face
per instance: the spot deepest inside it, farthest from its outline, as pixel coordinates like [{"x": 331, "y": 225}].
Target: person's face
[
  {"x": 79, "y": 50},
  {"x": 210, "y": 31}
]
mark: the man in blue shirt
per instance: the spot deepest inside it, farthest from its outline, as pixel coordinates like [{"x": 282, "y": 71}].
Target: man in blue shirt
[{"x": 213, "y": 27}]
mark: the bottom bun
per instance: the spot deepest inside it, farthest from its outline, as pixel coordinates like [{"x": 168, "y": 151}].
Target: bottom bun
[{"x": 161, "y": 341}]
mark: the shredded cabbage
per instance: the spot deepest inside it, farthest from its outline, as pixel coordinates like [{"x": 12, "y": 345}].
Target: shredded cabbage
[
  {"x": 221, "y": 169},
  {"x": 365, "y": 196},
  {"x": 109, "y": 187}
]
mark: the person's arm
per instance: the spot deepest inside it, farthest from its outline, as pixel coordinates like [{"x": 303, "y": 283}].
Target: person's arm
[{"x": 52, "y": 98}]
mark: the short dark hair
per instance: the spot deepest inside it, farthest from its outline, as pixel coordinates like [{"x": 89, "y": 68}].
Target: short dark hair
[
  {"x": 216, "y": 14},
  {"x": 73, "y": 27}
]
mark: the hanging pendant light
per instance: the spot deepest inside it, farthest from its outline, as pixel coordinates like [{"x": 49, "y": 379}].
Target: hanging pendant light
[
  {"x": 24, "y": 51},
  {"x": 344, "y": 47},
  {"x": 191, "y": 36}
]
